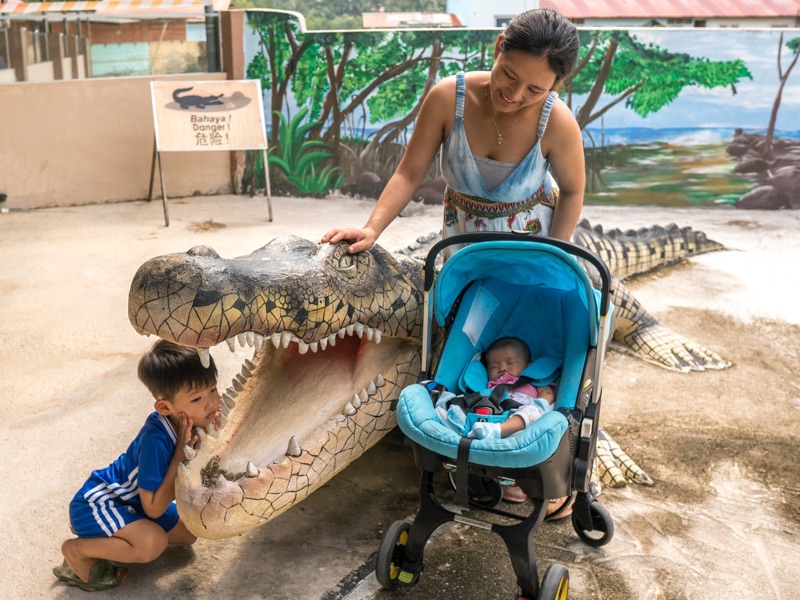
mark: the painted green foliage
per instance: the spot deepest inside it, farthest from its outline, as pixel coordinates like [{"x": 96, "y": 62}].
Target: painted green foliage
[
  {"x": 300, "y": 159},
  {"x": 647, "y": 78},
  {"x": 351, "y": 80}
]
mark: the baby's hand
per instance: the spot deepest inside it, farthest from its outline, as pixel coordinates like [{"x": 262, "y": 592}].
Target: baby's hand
[{"x": 482, "y": 430}]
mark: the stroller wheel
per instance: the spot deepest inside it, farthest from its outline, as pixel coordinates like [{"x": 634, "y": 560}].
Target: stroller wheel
[
  {"x": 601, "y": 529},
  {"x": 390, "y": 554},
  {"x": 483, "y": 491},
  {"x": 555, "y": 583}
]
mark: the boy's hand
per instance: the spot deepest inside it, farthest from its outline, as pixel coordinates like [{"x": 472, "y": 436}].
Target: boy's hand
[{"x": 185, "y": 436}]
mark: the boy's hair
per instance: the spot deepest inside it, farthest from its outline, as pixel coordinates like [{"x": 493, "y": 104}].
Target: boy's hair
[
  {"x": 506, "y": 342},
  {"x": 167, "y": 368}
]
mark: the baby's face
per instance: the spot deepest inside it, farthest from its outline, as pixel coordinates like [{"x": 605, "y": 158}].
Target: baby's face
[{"x": 504, "y": 360}]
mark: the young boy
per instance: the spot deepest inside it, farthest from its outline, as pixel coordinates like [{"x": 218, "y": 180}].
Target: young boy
[{"x": 125, "y": 512}]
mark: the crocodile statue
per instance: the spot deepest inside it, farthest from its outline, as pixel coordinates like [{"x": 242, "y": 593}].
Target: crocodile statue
[{"x": 335, "y": 337}]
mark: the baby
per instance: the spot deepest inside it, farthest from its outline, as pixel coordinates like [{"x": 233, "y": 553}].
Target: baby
[{"x": 505, "y": 359}]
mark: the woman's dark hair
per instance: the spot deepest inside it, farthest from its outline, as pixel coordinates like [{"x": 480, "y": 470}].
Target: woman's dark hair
[
  {"x": 168, "y": 368},
  {"x": 543, "y": 32}
]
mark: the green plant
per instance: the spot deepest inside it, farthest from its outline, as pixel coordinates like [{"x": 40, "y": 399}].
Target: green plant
[{"x": 300, "y": 158}]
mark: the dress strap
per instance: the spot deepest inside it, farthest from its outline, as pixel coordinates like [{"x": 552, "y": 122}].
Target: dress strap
[
  {"x": 461, "y": 93},
  {"x": 548, "y": 106}
]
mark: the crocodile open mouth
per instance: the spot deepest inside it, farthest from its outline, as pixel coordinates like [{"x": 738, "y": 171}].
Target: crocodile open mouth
[{"x": 295, "y": 416}]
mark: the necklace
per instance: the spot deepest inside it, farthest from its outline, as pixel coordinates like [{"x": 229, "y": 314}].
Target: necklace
[{"x": 499, "y": 133}]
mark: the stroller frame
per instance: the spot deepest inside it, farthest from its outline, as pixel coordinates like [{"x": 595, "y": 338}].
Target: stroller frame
[{"x": 400, "y": 556}]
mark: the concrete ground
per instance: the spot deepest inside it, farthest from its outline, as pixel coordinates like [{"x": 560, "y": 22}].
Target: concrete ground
[{"x": 722, "y": 520}]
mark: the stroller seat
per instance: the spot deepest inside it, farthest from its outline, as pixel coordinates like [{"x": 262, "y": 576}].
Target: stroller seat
[{"x": 562, "y": 332}]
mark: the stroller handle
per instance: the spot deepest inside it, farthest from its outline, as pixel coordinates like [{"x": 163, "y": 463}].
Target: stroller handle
[{"x": 522, "y": 236}]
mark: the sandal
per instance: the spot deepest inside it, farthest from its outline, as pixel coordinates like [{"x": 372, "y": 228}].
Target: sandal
[
  {"x": 513, "y": 493},
  {"x": 102, "y": 576},
  {"x": 559, "y": 508}
]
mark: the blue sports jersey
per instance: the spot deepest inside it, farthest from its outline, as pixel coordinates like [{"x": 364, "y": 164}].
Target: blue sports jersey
[{"x": 143, "y": 465}]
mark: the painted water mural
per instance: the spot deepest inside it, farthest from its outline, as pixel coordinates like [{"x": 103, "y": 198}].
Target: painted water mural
[{"x": 670, "y": 116}]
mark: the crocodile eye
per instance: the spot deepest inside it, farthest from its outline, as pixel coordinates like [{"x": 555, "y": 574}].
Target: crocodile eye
[{"x": 347, "y": 265}]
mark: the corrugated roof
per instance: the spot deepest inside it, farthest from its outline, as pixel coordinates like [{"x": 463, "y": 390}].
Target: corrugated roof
[
  {"x": 113, "y": 7},
  {"x": 399, "y": 20},
  {"x": 675, "y": 9}
]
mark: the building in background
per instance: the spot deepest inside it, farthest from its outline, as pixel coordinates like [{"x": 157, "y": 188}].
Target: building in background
[{"x": 637, "y": 13}]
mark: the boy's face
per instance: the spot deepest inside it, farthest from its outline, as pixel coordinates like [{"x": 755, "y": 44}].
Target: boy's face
[
  {"x": 199, "y": 404},
  {"x": 504, "y": 360}
]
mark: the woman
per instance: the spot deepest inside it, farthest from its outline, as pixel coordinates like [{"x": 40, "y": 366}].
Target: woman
[{"x": 501, "y": 130}]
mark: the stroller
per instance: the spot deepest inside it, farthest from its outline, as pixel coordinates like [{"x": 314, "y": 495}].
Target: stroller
[{"x": 533, "y": 288}]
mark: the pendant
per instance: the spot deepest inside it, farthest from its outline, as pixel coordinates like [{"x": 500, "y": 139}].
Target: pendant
[{"x": 499, "y": 139}]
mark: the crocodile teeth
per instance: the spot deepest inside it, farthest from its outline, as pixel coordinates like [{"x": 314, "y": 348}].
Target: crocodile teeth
[
  {"x": 237, "y": 385},
  {"x": 245, "y": 371},
  {"x": 222, "y": 422},
  {"x": 231, "y": 344},
  {"x": 332, "y": 339},
  {"x": 241, "y": 378},
  {"x": 302, "y": 347},
  {"x": 286, "y": 337},
  {"x": 224, "y": 409},
  {"x": 275, "y": 338},
  {"x": 350, "y": 328},
  {"x": 189, "y": 452},
  {"x": 370, "y": 333},
  {"x": 205, "y": 356},
  {"x": 294, "y": 447},
  {"x": 241, "y": 338},
  {"x": 363, "y": 395},
  {"x": 314, "y": 346},
  {"x": 349, "y": 409},
  {"x": 380, "y": 381},
  {"x": 259, "y": 342},
  {"x": 228, "y": 400},
  {"x": 342, "y": 332},
  {"x": 251, "y": 470},
  {"x": 250, "y": 337},
  {"x": 377, "y": 337},
  {"x": 371, "y": 389},
  {"x": 221, "y": 481},
  {"x": 356, "y": 401},
  {"x": 323, "y": 343},
  {"x": 359, "y": 330}
]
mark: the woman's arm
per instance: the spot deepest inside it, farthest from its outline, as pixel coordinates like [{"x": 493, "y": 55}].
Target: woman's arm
[
  {"x": 563, "y": 146},
  {"x": 427, "y": 136}
]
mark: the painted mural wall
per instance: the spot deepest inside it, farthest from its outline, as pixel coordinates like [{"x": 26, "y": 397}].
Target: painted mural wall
[{"x": 679, "y": 117}]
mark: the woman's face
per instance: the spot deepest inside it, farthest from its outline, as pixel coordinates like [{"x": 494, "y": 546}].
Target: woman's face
[{"x": 519, "y": 80}]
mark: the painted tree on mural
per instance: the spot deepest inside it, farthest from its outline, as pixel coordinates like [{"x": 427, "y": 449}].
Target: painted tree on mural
[
  {"x": 350, "y": 80},
  {"x": 643, "y": 76},
  {"x": 794, "y": 46}
]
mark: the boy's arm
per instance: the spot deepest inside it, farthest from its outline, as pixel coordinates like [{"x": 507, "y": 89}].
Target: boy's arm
[{"x": 156, "y": 503}]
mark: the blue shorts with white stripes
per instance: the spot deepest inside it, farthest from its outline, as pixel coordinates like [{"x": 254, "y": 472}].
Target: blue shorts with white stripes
[{"x": 106, "y": 517}]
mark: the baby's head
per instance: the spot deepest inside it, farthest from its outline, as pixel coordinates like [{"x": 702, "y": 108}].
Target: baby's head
[
  {"x": 506, "y": 355},
  {"x": 180, "y": 383}
]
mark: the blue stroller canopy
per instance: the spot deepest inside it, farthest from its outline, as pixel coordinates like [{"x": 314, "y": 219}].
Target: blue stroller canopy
[{"x": 522, "y": 263}]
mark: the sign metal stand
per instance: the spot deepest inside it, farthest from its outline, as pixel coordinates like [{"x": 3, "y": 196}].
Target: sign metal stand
[{"x": 207, "y": 116}]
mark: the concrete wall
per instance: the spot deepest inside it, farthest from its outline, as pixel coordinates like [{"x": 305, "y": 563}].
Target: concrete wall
[{"x": 89, "y": 141}]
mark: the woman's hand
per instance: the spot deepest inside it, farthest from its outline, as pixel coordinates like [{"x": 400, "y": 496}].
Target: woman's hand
[{"x": 363, "y": 239}]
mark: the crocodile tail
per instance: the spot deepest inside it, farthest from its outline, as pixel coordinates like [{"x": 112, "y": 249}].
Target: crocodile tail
[
  {"x": 180, "y": 91},
  {"x": 634, "y": 252}
]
